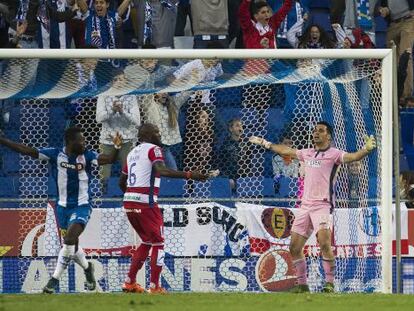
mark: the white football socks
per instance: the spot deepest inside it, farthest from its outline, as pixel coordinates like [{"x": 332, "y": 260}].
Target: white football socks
[
  {"x": 80, "y": 258},
  {"x": 64, "y": 258}
]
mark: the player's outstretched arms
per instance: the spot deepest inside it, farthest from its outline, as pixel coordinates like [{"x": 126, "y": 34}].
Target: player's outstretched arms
[
  {"x": 167, "y": 172},
  {"x": 20, "y": 148},
  {"x": 370, "y": 144},
  {"x": 280, "y": 149},
  {"x": 111, "y": 158}
]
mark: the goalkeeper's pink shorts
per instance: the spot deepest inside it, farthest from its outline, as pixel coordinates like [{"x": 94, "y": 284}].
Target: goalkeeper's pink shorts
[
  {"x": 148, "y": 223},
  {"x": 312, "y": 217}
]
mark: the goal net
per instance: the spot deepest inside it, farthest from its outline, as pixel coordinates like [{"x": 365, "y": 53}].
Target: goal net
[{"x": 232, "y": 232}]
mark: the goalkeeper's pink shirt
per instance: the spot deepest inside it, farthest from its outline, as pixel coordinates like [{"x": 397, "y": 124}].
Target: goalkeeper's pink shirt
[{"x": 321, "y": 167}]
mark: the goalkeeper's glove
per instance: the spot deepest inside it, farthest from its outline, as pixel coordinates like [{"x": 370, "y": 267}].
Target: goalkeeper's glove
[
  {"x": 370, "y": 143},
  {"x": 260, "y": 141}
]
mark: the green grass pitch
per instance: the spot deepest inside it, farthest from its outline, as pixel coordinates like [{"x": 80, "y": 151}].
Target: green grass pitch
[{"x": 206, "y": 301}]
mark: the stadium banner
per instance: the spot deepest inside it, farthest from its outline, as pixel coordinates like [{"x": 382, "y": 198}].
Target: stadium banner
[
  {"x": 252, "y": 254},
  {"x": 205, "y": 229},
  {"x": 410, "y": 228},
  {"x": 270, "y": 272},
  {"x": 270, "y": 227}
]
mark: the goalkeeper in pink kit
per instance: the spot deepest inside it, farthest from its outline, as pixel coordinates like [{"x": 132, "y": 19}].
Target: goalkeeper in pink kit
[{"x": 321, "y": 165}]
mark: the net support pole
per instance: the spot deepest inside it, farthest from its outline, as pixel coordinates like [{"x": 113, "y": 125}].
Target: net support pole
[
  {"x": 386, "y": 170},
  {"x": 396, "y": 158}
]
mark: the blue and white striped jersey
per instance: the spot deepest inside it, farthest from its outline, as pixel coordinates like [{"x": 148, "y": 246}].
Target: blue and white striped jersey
[
  {"x": 72, "y": 174},
  {"x": 58, "y": 36}
]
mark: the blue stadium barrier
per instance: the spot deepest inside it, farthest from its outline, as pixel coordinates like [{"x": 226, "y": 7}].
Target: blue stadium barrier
[
  {"x": 9, "y": 186},
  {"x": 57, "y": 117},
  {"x": 268, "y": 188},
  {"x": 252, "y": 187},
  {"x": 113, "y": 189},
  {"x": 275, "y": 124},
  {"x": 220, "y": 188},
  {"x": 11, "y": 162},
  {"x": 171, "y": 187},
  {"x": 285, "y": 186}
]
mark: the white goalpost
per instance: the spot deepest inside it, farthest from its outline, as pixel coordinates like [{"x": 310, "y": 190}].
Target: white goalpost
[{"x": 214, "y": 241}]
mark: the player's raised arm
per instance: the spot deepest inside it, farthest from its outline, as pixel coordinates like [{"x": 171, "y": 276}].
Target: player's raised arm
[
  {"x": 283, "y": 150},
  {"x": 167, "y": 172},
  {"x": 20, "y": 148},
  {"x": 370, "y": 144},
  {"x": 111, "y": 158}
]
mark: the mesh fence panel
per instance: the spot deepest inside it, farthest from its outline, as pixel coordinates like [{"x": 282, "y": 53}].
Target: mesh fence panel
[{"x": 230, "y": 233}]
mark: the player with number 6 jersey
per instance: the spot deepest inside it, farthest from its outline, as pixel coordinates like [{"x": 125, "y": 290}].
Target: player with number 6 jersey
[{"x": 140, "y": 182}]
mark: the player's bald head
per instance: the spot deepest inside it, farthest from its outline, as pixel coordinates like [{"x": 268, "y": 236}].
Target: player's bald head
[{"x": 149, "y": 133}]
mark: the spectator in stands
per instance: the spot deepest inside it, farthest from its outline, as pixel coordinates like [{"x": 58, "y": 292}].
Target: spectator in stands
[
  {"x": 284, "y": 166},
  {"x": 183, "y": 11},
  {"x": 357, "y": 40},
  {"x": 235, "y": 31},
  {"x": 53, "y": 16},
  {"x": 199, "y": 71},
  {"x": 210, "y": 23},
  {"x": 76, "y": 25},
  {"x": 148, "y": 73},
  {"x": 337, "y": 11},
  {"x": 199, "y": 138},
  {"x": 163, "y": 109},
  {"x": 32, "y": 15},
  {"x": 85, "y": 69},
  {"x": 399, "y": 14},
  {"x": 13, "y": 41},
  {"x": 402, "y": 73},
  {"x": 25, "y": 17},
  {"x": 260, "y": 32},
  {"x": 314, "y": 37},
  {"x": 230, "y": 152},
  {"x": 299, "y": 11},
  {"x": 355, "y": 14},
  {"x": 407, "y": 188},
  {"x": 156, "y": 22},
  {"x": 4, "y": 25},
  {"x": 409, "y": 102},
  {"x": 101, "y": 23},
  {"x": 117, "y": 114},
  {"x": 127, "y": 30}
]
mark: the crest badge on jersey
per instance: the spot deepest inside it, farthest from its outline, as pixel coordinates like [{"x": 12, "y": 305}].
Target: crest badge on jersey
[{"x": 158, "y": 152}]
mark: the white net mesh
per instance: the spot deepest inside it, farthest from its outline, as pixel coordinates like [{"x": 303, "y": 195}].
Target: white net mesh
[{"x": 232, "y": 232}]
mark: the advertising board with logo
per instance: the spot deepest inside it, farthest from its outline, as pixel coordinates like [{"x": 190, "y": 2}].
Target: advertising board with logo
[{"x": 209, "y": 247}]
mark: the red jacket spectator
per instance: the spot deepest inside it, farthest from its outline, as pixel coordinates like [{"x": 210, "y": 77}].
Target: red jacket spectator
[{"x": 260, "y": 32}]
